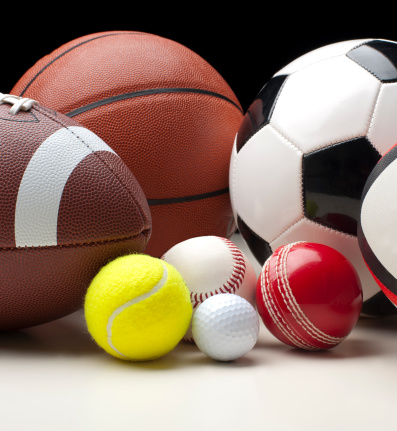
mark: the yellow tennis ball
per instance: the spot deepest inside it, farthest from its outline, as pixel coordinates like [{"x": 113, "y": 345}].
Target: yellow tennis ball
[{"x": 137, "y": 307}]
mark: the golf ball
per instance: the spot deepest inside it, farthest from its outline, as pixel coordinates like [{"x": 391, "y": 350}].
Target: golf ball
[{"x": 225, "y": 327}]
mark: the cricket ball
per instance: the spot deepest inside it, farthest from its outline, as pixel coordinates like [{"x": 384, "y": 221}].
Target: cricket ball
[{"x": 309, "y": 295}]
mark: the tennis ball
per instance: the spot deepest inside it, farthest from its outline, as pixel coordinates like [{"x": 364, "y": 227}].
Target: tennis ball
[{"x": 137, "y": 307}]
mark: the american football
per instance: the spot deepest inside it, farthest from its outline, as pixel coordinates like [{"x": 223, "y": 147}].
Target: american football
[{"x": 68, "y": 206}]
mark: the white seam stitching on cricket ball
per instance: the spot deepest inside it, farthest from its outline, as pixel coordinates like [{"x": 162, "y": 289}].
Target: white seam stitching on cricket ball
[
  {"x": 296, "y": 310},
  {"x": 274, "y": 311},
  {"x": 279, "y": 278}
]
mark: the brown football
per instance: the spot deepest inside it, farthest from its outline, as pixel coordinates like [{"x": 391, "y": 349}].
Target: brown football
[{"x": 68, "y": 206}]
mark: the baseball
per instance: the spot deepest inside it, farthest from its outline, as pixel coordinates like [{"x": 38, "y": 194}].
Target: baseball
[{"x": 211, "y": 265}]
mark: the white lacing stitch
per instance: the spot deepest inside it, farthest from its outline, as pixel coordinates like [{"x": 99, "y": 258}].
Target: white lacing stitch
[{"x": 18, "y": 103}]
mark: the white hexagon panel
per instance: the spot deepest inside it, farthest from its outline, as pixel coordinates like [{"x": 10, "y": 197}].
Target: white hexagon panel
[
  {"x": 329, "y": 102},
  {"x": 282, "y": 163},
  {"x": 306, "y": 146}
]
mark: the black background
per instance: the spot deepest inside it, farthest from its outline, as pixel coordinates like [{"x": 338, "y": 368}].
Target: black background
[{"x": 245, "y": 43}]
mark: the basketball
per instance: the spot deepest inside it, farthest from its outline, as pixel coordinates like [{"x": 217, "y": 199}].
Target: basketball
[{"x": 164, "y": 110}]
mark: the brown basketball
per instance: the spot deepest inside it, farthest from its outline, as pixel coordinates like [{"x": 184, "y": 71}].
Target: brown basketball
[
  {"x": 68, "y": 206},
  {"x": 164, "y": 110}
]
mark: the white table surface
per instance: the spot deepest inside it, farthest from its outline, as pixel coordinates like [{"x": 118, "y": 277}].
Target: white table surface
[{"x": 54, "y": 377}]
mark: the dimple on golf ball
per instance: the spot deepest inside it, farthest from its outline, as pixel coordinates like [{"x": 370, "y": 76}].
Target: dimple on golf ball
[{"x": 225, "y": 327}]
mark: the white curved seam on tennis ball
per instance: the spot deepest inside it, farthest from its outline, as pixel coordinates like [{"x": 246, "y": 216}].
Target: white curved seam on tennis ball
[
  {"x": 44, "y": 180},
  {"x": 133, "y": 301}
]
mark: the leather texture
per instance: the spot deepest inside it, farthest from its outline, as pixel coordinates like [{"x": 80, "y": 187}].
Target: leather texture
[
  {"x": 69, "y": 205},
  {"x": 164, "y": 110}
]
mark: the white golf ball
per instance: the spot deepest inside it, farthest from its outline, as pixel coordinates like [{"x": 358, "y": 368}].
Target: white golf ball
[{"x": 225, "y": 327}]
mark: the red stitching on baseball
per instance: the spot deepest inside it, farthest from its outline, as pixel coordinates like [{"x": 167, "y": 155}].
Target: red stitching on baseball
[
  {"x": 238, "y": 270},
  {"x": 232, "y": 284}
]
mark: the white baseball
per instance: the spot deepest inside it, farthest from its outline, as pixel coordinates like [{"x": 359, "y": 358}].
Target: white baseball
[{"x": 211, "y": 265}]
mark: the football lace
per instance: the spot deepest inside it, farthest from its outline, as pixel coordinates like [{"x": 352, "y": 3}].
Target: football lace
[{"x": 18, "y": 103}]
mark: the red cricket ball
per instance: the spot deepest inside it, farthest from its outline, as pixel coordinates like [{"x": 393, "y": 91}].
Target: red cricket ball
[{"x": 309, "y": 295}]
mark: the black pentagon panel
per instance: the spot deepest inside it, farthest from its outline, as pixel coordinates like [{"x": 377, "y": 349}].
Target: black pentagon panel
[
  {"x": 333, "y": 181},
  {"x": 258, "y": 246},
  {"x": 378, "y": 57},
  {"x": 260, "y": 111}
]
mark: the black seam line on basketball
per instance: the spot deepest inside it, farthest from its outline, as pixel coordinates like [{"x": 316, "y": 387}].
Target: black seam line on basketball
[
  {"x": 153, "y": 202},
  {"x": 26, "y": 248},
  {"x": 71, "y": 49},
  {"x": 94, "y": 153},
  {"x": 147, "y": 92}
]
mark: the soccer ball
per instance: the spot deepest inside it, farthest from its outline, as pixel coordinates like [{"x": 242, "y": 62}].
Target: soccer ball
[{"x": 306, "y": 146}]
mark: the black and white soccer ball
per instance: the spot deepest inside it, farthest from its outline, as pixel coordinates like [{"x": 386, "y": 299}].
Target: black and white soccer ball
[{"x": 306, "y": 146}]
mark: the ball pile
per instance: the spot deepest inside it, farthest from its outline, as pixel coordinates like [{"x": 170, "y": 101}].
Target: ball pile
[
  {"x": 304, "y": 195},
  {"x": 139, "y": 307}
]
